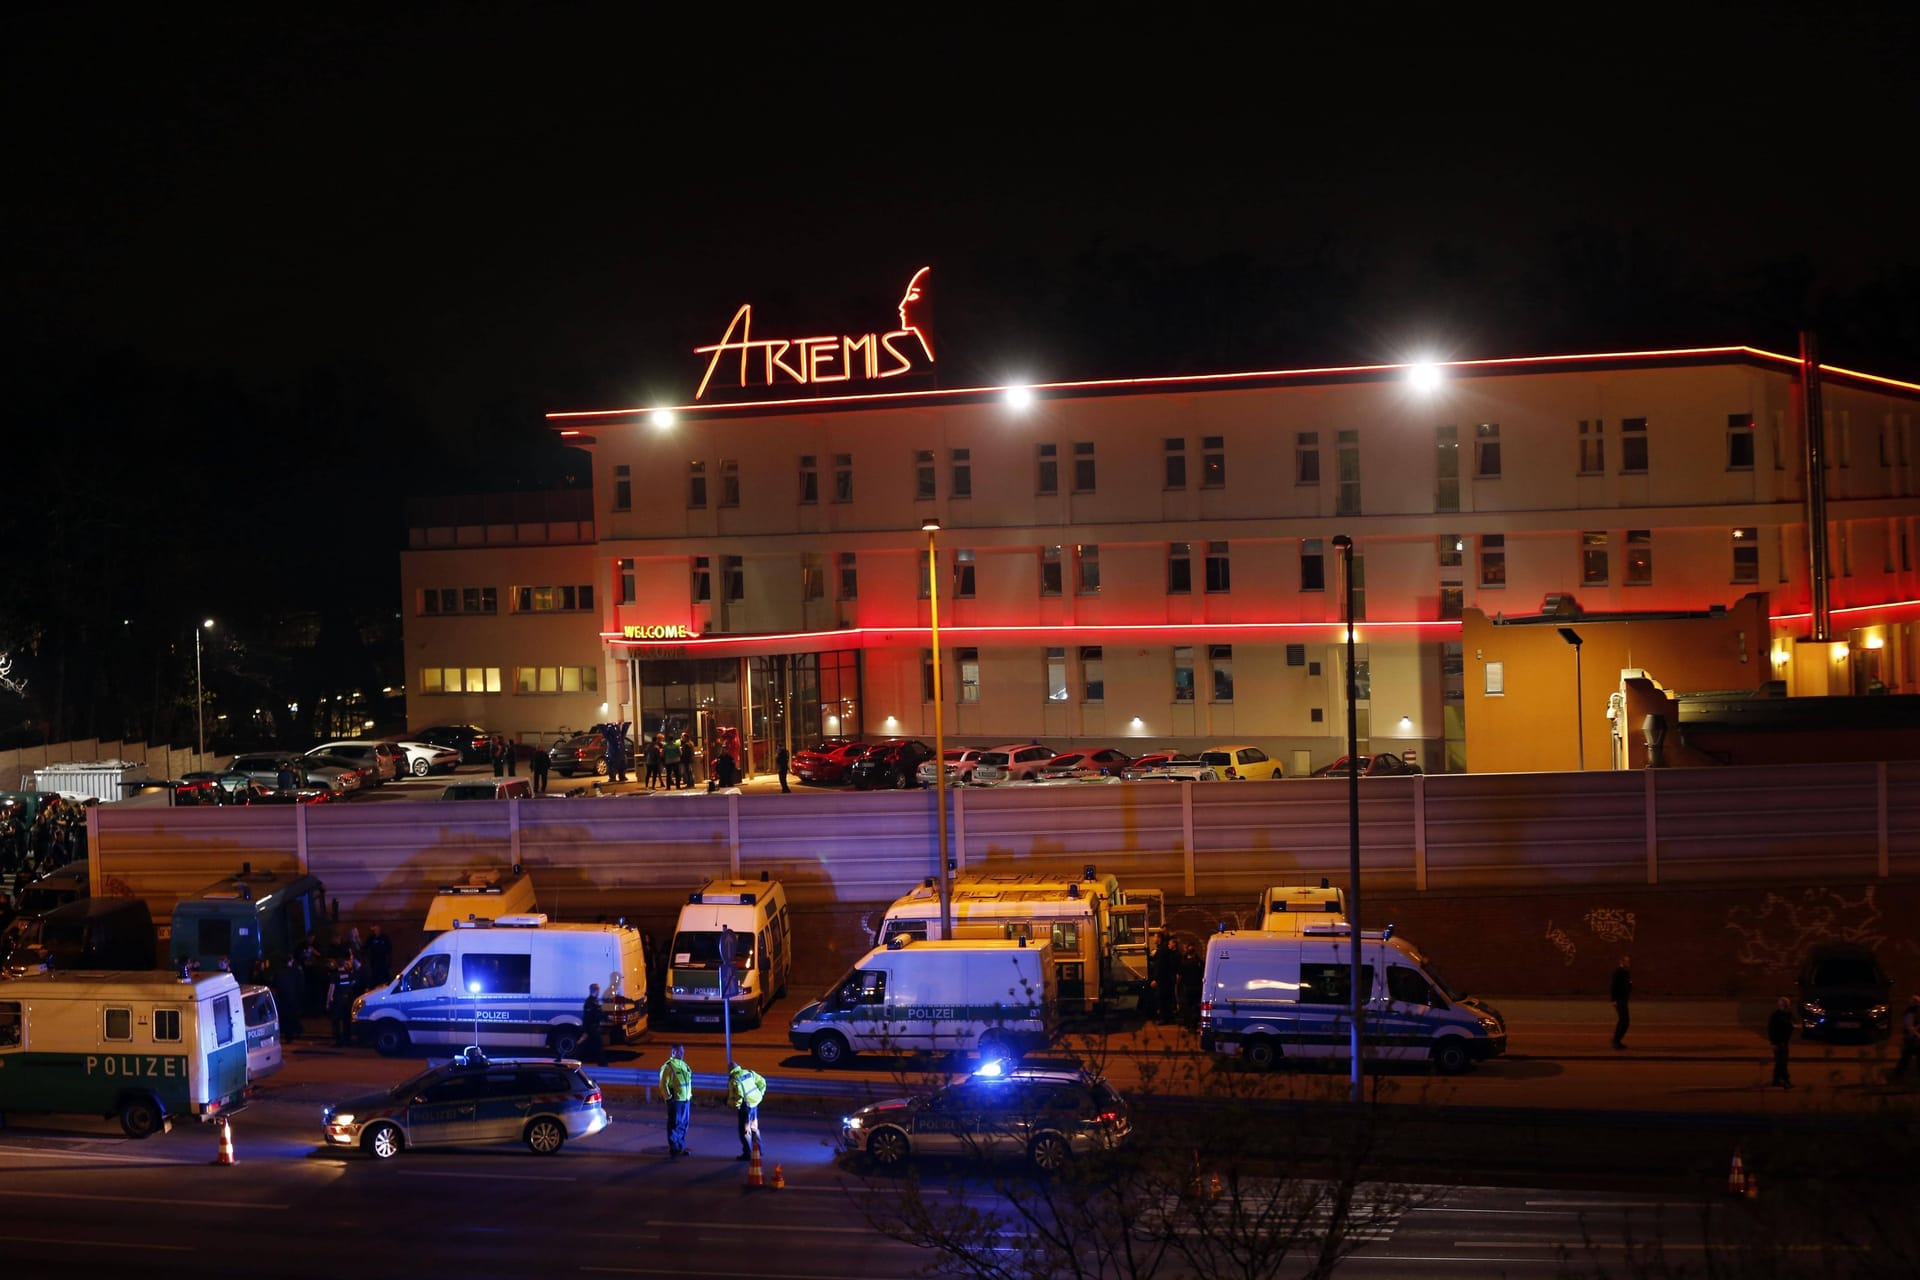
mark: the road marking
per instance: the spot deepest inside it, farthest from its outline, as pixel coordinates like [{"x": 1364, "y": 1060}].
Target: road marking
[
  {"x": 201, "y": 1204},
  {"x": 681, "y": 1271},
  {"x": 1599, "y": 1204},
  {"x": 81, "y": 1155},
  {"x": 493, "y": 1177},
  {"x": 99, "y": 1244}
]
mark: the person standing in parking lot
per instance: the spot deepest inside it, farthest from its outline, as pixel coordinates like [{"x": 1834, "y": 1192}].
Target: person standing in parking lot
[
  {"x": 379, "y": 958},
  {"x": 591, "y": 1016},
  {"x": 676, "y": 1086},
  {"x": 745, "y": 1088},
  {"x": 1780, "y": 1036},
  {"x": 1621, "y": 993},
  {"x": 783, "y": 760},
  {"x": 538, "y": 764},
  {"x": 653, "y": 762},
  {"x": 497, "y": 752}
]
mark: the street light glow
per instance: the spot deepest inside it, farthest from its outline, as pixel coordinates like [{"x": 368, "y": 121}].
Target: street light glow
[
  {"x": 1423, "y": 376},
  {"x": 1019, "y": 398},
  {"x": 661, "y": 417}
]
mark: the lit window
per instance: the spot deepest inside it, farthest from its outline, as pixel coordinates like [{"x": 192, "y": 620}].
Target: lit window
[
  {"x": 1493, "y": 560},
  {"x": 968, "y": 661},
  {"x": 1450, "y": 548},
  {"x": 1639, "y": 557},
  {"x": 1594, "y": 570},
  {"x": 1057, "y": 675}
]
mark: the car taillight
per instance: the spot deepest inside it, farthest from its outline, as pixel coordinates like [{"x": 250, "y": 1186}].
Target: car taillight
[
  {"x": 1108, "y": 1119},
  {"x": 593, "y": 1099},
  {"x": 1206, "y": 1014},
  {"x": 1232, "y": 772}
]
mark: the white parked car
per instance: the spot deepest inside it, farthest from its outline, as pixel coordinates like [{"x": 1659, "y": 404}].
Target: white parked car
[
  {"x": 961, "y": 762},
  {"x": 380, "y": 759},
  {"x": 1018, "y": 762},
  {"x": 422, "y": 758}
]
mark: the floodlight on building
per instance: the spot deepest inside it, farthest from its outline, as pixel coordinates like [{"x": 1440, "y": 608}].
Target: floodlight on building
[
  {"x": 1423, "y": 376},
  {"x": 1019, "y": 398},
  {"x": 661, "y": 417}
]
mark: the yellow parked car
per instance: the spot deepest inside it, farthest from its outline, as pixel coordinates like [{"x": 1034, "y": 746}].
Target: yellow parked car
[{"x": 1235, "y": 763}]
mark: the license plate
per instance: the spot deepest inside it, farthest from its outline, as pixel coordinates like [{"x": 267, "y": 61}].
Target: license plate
[
  {"x": 1851, "y": 1024},
  {"x": 706, "y": 1017}
]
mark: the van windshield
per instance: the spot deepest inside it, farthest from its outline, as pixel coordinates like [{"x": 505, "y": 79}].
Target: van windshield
[
  {"x": 701, "y": 949},
  {"x": 1439, "y": 981}
]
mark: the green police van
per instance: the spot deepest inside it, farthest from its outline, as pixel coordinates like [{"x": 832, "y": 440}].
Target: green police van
[
  {"x": 243, "y": 918},
  {"x": 146, "y": 1047}
]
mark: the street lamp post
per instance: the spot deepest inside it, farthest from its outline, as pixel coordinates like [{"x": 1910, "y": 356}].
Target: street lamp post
[
  {"x": 931, "y": 527},
  {"x": 199, "y": 689},
  {"x": 1572, "y": 637},
  {"x": 1345, "y": 546}
]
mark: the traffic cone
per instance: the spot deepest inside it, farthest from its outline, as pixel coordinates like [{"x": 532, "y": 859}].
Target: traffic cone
[
  {"x": 1737, "y": 1176},
  {"x": 755, "y": 1178},
  {"x": 779, "y": 1178},
  {"x": 226, "y": 1144}
]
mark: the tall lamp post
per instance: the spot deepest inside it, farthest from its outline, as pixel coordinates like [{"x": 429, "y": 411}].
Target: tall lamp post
[
  {"x": 931, "y": 527},
  {"x": 199, "y": 689},
  {"x": 1572, "y": 637},
  {"x": 1345, "y": 546}
]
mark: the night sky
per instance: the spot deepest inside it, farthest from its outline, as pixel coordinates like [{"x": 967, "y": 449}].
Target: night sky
[{"x": 274, "y": 274}]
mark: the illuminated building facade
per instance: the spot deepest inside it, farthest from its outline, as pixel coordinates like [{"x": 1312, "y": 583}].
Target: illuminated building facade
[{"x": 1149, "y": 563}]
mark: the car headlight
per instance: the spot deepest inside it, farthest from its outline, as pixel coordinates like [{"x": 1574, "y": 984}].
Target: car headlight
[
  {"x": 1879, "y": 1011},
  {"x": 343, "y": 1118},
  {"x": 1817, "y": 1009},
  {"x": 852, "y": 1122}
]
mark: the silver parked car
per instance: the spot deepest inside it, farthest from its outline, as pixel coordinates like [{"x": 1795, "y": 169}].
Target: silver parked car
[
  {"x": 380, "y": 760},
  {"x": 542, "y": 1102}
]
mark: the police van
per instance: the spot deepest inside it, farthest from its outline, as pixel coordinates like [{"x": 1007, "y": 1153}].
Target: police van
[
  {"x": 515, "y": 981},
  {"x": 146, "y": 1047},
  {"x": 1268, "y": 996},
  {"x": 1100, "y": 933},
  {"x": 756, "y": 912},
  {"x": 481, "y": 895},
  {"x": 1287, "y": 908},
  {"x": 996, "y": 999},
  {"x": 263, "y": 1031},
  {"x": 247, "y": 917}
]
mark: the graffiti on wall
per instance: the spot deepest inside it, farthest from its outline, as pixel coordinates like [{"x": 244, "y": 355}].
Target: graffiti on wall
[
  {"x": 1777, "y": 933},
  {"x": 1608, "y": 924}
]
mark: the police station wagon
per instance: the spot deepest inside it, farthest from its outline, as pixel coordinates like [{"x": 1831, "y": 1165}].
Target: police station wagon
[{"x": 473, "y": 1099}]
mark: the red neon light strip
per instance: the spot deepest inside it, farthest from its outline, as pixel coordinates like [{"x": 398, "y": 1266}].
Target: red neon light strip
[
  {"x": 1194, "y": 379},
  {"x": 1852, "y": 608},
  {"x": 1145, "y": 628}
]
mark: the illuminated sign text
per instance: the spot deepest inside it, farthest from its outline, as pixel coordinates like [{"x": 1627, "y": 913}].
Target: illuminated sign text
[
  {"x": 806, "y": 362},
  {"x": 656, "y": 631}
]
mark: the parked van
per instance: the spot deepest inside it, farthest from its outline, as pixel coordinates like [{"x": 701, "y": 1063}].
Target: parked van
[
  {"x": 481, "y": 895},
  {"x": 489, "y": 789},
  {"x": 146, "y": 1047},
  {"x": 246, "y": 917},
  {"x": 1101, "y": 934},
  {"x": 88, "y": 933},
  {"x": 1290, "y": 907},
  {"x": 997, "y": 999},
  {"x": 516, "y": 981},
  {"x": 263, "y": 1031},
  {"x": 1268, "y": 996},
  {"x": 756, "y": 911}
]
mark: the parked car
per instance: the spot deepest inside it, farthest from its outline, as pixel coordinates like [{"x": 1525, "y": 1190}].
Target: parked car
[
  {"x": 264, "y": 767},
  {"x": 890, "y": 764},
  {"x": 960, "y": 766},
  {"x": 1384, "y": 765},
  {"x": 827, "y": 763},
  {"x": 474, "y": 744},
  {"x": 292, "y": 795},
  {"x": 380, "y": 761},
  {"x": 1238, "y": 762},
  {"x": 1844, "y": 992},
  {"x": 1017, "y": 762},
  {"x": 1097, "y": 761},
  {"x": 423, "y": 758},
  {"x": 539, "y": 1101},
  {"x": 341, "y": 774},
  {"x": 1143, "y": 763},
  {"x": 1045, "y": 1117},
  {"x": 1178, "y": 769},
  {"x": 581, "y": 753}
]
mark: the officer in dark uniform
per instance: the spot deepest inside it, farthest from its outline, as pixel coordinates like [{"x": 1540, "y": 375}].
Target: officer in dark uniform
[
  {"x": 591, "y": 1016},
  {"x": 1164, "y": 970},
  {"x": 341, "y": 990}
]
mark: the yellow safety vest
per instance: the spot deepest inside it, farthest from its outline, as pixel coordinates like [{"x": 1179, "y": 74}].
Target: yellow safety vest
[
  {"x": 676, "y": 1080},
  {"x": 744, "y": 1086}
]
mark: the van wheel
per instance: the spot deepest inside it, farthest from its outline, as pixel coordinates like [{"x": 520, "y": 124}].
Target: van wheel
[
  {"x": 390, "y": 1039},
  {"x": 140, "y": 1118},
  {"x": 382, "y": 1141},
  {"x": 887, "y": 1148},
  {"x": 1450, "y": 1056},
  {"x": 998, "y": 1046},
  {"x": 1262, "y": 1053},
  {"x": 830, "y": 1049},
  {"x": 1049, "y": 1153},
  {"x": 564, "y": 1041},
  {"x": 545, "y": 1136}
]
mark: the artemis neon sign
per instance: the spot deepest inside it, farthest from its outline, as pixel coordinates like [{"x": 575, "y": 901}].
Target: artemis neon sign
[{"x": 805, "y": 362}]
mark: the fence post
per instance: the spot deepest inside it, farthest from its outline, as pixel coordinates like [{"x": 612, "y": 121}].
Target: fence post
[
  {"x": 1652, "y": 820},
  {"x": 513, "y": 831},
  {"x": 1420, "y": 833},
  {"x": 959, "y": 795},
  {"x": 300, "y": 836},
  {"x": 1186, "y": 834},
  {"x": 733, "y": 836}
]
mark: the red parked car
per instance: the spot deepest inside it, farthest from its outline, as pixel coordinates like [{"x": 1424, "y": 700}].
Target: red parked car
[{"x": 827, "y": 762}]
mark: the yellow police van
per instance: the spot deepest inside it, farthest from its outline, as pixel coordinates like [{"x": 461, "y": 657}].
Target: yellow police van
[
  {"x": 756, "y": 911},
  {"x": 146, "y": 1047},
  {"x": 481, "y": 895}
]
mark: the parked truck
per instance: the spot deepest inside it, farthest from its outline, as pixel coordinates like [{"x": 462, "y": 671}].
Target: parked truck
[{"x": 1101, "y": 935}]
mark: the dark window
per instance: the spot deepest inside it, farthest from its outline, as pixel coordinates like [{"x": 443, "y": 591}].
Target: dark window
[
  {"x": 923, "y": 475},
  {"x": 1183, "y": 673},
  {"x": 1593, "y": 447},
  {"x": 623, "y": 488},
  {"x": 119, "y": 1024},
  {"x": 1047, "y": 474},
  {"x": 1639, "y": 557},
  {"x": 729, "y": 483},
  {"x": 1409, "y": 986},
  {"x": 697, "y": 484},
  {"x": 963, "y": 574},
  {"x": 733, "y": 571},
  {"x": 1446, "y": 468},
  {"x": 1088, "y": 558},
  {"x": 1050, "y": 571},
  {"x": 1347, "y": 498},
  {"x": 809, "y": 479},
  {"x": 1633, "y": 446},
  {"x": 1083, "y": 467},
  {"x": 1451, "y": 546},
  {"x": 1493, "y": 560},
  {"x": 1332, "y": 983},
  {"x": 1593, "y": 558},
  {"x": 1313, "y": 566},
  {"x": 623, "y": 569},
  {"x": 962, "y": 473},
  {"x": 1746, "y": 555},
  {"x": 1219, "y": 569},
  {"x": 1176, "y": 462},
  {"x": 849, "y": 576},
  {"x": 1486, "y": 451},
  {"x": 1213, "y": 462},
  {"x": 507, "y": 975},
  {"x": 1306, "y": 457},
  {"x": 1179, "y": 568},
  {"x": 1740, "y": 442},
  {"x": 702, "y": 580},
  {"x": 1453, "y": 602},
  {"x": 1093, "y": 684},
  {"x": 843, "y": 477}
]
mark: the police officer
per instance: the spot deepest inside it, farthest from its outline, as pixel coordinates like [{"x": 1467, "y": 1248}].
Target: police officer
[
  {"x": 745, "y": 1088},
  {"x": 591, "y": 1015},
  {"x": 676, "y": 1086},
  {"x": 340, "y": 994}
]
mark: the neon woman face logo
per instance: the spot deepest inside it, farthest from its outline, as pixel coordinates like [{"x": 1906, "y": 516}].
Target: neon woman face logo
[{"x": 810, "y": 361}]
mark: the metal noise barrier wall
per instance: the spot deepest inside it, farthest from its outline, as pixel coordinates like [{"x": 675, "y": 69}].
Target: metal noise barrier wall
[{"x": 1440, "y": 834}]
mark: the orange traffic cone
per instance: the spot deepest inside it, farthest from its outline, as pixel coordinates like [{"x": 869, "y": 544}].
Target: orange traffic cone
[
  {"x": 1737, "y": 1176},
  {"x": 779, "y": 1178},
  {"x": 226, "y": 1144},
  {"x": 755, "y": 1178}
]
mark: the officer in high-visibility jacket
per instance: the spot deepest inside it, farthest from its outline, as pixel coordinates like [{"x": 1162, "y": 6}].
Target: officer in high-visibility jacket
[
  {"x": 744, "y": 1090},
  {"x": 676, "y": 1086}
]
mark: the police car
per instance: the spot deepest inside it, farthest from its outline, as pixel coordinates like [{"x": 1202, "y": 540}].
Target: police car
[
  {"x": 1046, "y": 1116},
  {"x": 473, "y": 1099}
]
